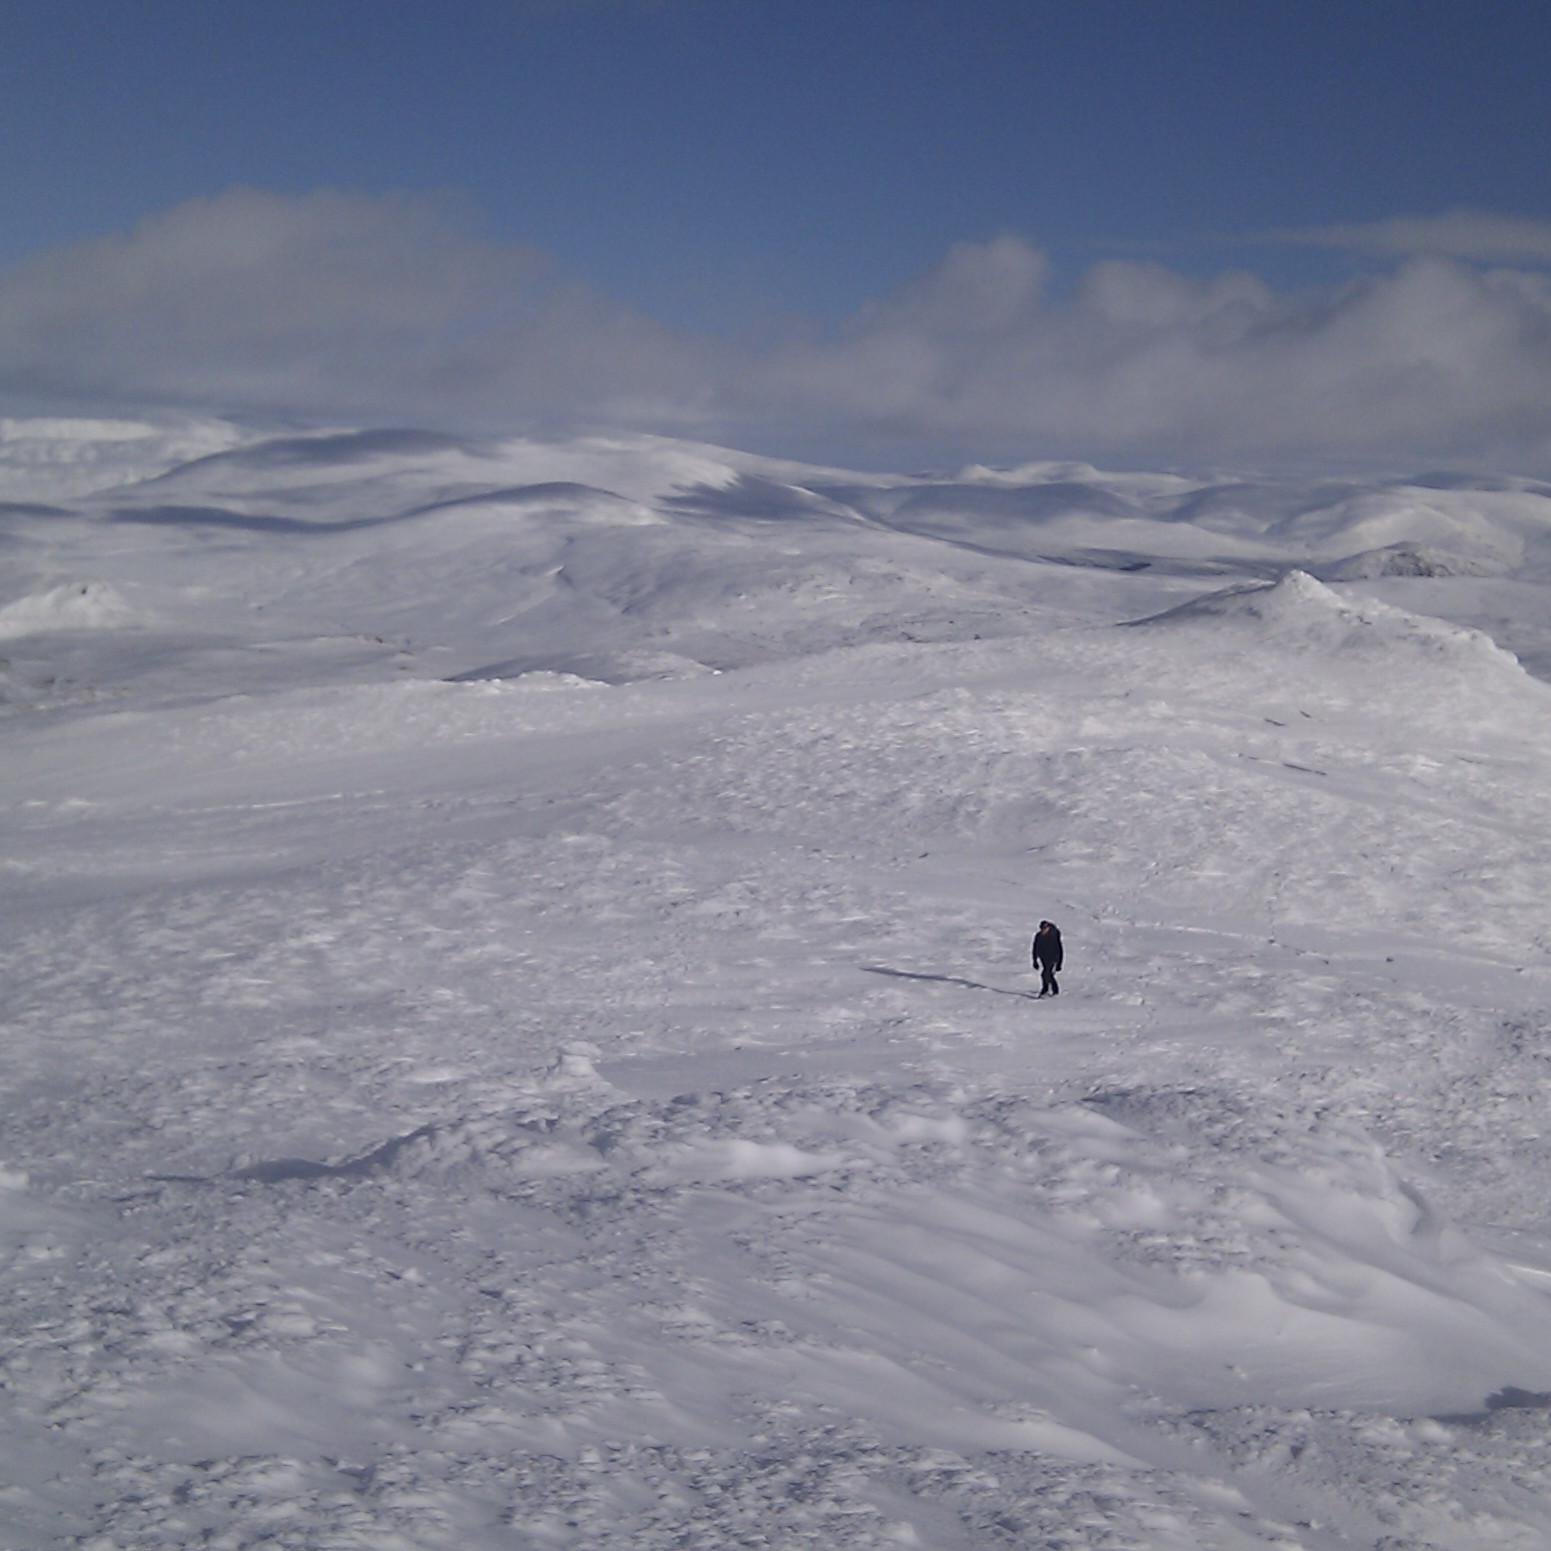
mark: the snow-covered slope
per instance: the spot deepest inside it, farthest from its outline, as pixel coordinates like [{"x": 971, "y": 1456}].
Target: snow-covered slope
[{"x": 519, "y": 1028}]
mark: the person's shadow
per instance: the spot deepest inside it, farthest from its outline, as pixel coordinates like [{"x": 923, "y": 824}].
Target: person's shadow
[{"x": 947, "y": 980}]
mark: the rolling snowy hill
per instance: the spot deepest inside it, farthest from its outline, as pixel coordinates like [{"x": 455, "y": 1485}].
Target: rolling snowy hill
[{"x": 519, "y": 1028}]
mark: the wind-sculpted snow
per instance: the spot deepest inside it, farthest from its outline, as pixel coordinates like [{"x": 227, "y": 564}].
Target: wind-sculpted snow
[
  {"x": 519, "y": 1030},
  {"x": 43, "y": 461}
]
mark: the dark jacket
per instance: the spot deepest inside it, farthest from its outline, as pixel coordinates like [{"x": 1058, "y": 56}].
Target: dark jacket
[{"x": 1046, "y": 948}]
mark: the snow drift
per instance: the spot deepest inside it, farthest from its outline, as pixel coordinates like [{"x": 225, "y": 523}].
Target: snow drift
[{"x": 478, "y": 1077}]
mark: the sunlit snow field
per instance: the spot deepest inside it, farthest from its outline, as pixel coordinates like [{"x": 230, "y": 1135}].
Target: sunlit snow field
[{"x": 519, "y": 1031}]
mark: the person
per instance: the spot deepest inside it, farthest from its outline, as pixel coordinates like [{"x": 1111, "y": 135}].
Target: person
[{"x": 1047, "y": 957}]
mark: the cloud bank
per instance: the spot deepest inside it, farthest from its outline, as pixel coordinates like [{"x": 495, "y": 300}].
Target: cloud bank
[
  {"x": 366, "y": 308},
  {"x": 1434, "y": 360},
  {"x": 327, "y": 304}
]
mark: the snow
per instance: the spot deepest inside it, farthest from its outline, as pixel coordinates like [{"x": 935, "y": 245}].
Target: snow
[
  {"x": 42, "y": 460},
  {"x": 70, "y": 606},
  {"x": 520, "y": 1032}
]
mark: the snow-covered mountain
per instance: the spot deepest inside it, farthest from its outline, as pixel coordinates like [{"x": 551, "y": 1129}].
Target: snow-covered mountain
[{"x": 520, "y": 1031}]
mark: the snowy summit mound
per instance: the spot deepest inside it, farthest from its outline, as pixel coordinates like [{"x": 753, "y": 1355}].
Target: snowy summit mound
[
  {"x": 73, "y": 606},
  {"x": 1301, "y": 615}
]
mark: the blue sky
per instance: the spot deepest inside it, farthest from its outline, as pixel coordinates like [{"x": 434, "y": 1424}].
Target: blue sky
[{"x": 763, "y": 175}]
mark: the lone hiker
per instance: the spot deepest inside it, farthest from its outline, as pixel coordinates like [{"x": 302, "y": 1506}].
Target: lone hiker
[{"x": 1046, "y": 956}]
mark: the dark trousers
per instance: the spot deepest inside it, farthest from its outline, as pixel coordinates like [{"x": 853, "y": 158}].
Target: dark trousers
[{"x": 1047, "y": 981}]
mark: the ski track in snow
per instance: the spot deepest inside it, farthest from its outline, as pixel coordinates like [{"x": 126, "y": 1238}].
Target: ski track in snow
[{"x": 519, "y": 1030}]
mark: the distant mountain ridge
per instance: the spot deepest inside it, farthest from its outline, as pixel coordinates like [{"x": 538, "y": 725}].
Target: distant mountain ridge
[{"x": 621, "y": 557}]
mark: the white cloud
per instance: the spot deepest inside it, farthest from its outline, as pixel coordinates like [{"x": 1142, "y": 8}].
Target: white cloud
[
  {"x": 1461, "y": 234},
  {"x": 352, "y": 307},
  {"x": 331, "y": 303}
]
